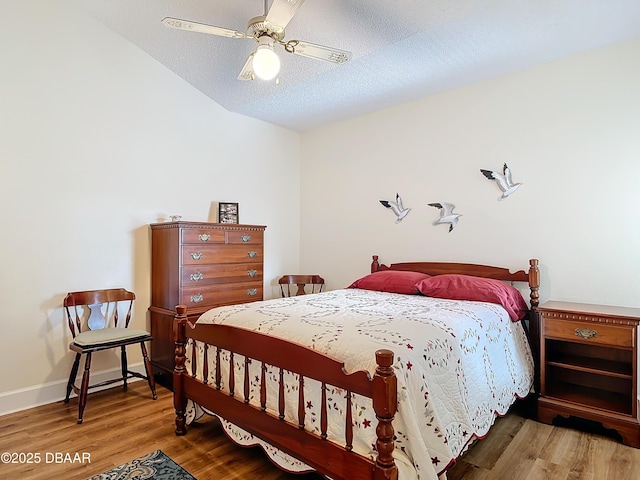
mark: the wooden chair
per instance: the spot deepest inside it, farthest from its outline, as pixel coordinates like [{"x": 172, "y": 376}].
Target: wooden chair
[
  {"x": 304, "y": 283},
  {"x": 103, "y": 334}
]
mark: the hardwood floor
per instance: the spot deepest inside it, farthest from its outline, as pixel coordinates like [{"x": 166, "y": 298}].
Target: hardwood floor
[{"x": 120, "y": 426}]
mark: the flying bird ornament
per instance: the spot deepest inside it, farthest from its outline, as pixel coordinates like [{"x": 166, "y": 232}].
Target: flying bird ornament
[
  {"x": 503, "y": 180},
  {"x": 396, "y": 207},
  {"x": 446, "y": 214}
]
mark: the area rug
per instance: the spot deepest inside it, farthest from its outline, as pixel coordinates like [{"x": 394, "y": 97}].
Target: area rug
[{"x": 155, "y": 465}]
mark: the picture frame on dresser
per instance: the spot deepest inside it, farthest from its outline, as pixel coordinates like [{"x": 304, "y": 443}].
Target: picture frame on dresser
[{"x": 228, "y": 213}]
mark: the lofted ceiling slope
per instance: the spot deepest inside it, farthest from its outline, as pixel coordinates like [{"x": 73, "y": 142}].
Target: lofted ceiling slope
[{"x": 402, "y": 49}]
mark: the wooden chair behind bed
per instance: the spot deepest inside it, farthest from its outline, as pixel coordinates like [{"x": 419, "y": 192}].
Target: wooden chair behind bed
[{"x": 304, "y": 283}]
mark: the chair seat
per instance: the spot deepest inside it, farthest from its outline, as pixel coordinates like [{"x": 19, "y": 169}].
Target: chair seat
[{"x": 92, "y": 338}]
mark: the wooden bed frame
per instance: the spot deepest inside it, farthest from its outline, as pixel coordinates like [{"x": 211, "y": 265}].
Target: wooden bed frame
[{"x": 327, "y": 458}]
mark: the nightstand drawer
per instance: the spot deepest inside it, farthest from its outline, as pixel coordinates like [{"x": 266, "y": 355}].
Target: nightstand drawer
[{"x": 588, "y": 332}]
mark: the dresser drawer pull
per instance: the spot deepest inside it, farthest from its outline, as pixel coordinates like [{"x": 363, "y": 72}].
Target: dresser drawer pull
[
  {"x": 252, "y": 254},
  {"x": 196, "y": 298},
  {"x": 204, "y": 237},
  {"x": 245, "y": 238},
  {"x": 252, "y": 291},
  {"x": 586, "y": 333},
  {"x": 196, "y": 255},
  {"x": 196, "y": 277},
  {"x": 252, "y": 273}
]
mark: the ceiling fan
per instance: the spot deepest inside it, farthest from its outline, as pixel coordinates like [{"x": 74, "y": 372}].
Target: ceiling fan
[{"x": 267, "y": 30}]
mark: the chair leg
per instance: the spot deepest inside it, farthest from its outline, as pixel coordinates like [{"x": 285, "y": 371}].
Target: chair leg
[
  {"x": 123, "y": 363},
  {"x": 82, "y": 402},
  {"x": 72, "y": 376},
  {"x": 147, "y": 367}
]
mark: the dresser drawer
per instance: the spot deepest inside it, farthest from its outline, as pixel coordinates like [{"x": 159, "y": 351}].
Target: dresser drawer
[
  {"x": 203, "y": 254},
  {"x": 203, "y": 235},
  {"x": 588, "y": 332},
  {"x": 223, "y": 294},
  {"x": 245, "y": 237},
  {"x": 193, "y": 275}
]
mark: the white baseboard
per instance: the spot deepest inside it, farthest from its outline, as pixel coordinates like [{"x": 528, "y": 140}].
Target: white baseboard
[{"x": 51, "y": 392}]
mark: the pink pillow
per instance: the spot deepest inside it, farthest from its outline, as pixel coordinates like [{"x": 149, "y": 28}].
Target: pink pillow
[
  {"x": 394, "y": 281},
  {"x": 466, "y": 287}
]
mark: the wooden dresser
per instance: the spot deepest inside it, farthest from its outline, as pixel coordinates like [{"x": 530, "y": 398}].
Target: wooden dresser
[
  {"x": 200, "y": 265},
  {"x": 589, "y": 365}
]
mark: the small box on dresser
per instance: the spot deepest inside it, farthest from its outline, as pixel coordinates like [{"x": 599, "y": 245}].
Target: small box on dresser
[
  {"x": 200, "y": 265},
  {"x": 589, "y": 365}
]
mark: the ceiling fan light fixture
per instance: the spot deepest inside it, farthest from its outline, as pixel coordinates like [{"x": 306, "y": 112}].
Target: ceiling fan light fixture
[{"x": 266, "y": 63}]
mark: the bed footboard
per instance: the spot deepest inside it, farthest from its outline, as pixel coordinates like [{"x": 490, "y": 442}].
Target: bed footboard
[{"x": 326, "y": 457}]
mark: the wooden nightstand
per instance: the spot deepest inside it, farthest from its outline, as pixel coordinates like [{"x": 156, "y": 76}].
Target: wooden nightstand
[{"x": 589, "y": 365}]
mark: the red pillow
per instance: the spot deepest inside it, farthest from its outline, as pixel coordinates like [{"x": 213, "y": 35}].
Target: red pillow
[
  {"x": 394, "y": 281},
  {"x": 466, "y": 287}
]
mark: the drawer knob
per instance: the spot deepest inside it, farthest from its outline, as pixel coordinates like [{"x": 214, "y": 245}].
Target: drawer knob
[
  {"x": 196, "y": 298},
  {"x": 586, "y": 333},
  {"x": 245, "y": 238},
  {"x": 252, "y": 254},
  {"x": 252, "y": 273},
  {"x": 196, "y": 277},
  {"x": 252, "y": 291},
  {"x": 204, "y": 237},
  {"x": 196, "y": 255}
]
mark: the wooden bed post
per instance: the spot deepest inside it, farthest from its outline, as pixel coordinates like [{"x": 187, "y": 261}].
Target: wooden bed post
[
  {"x": 385, "y": 404},
  {"x": 179, "y": 399},
  {"x": 374, "y": 264},
  {"x": 534, "y": 321},
  {"x": 534, "y": 283}
]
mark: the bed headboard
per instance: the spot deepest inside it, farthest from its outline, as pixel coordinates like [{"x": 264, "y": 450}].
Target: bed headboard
[{"x": 532, "y": 276}]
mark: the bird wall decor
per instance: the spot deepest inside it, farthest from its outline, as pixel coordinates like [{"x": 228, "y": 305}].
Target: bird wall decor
[
  {"x": 446, "y": 214},
  {"x": 503, "y": 180},
  {"x": 396, "y": 207}
]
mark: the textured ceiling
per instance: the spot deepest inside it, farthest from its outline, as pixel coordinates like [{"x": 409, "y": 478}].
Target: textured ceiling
[{"x": 402, "y": 49}]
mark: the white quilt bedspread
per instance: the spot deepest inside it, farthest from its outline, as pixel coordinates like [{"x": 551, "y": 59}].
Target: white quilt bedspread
[{"x": 458, "y": 365}]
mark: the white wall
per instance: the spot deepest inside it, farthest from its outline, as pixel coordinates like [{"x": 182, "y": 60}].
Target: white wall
[
  {"x": 97, "y": 140},
  {"x": 569, "y": 130}
]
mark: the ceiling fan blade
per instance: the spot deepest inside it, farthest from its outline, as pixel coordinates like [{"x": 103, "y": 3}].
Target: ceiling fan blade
[
  {"x": 247, "y": 71},
  {"x": 281, "y": 13},
  {"x": 202, "y": 28},
  {"x": 319, "y": 52}
]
